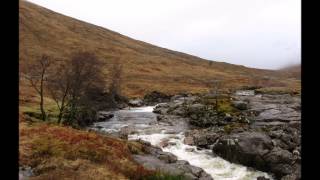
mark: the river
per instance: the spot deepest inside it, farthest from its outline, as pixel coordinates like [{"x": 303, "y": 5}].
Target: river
[{"x": 147, "y": 128}]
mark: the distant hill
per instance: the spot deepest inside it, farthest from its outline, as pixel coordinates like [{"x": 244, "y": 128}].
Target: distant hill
[
  {"x": 146, "y": 67},
  {"x": 292, "y": 71}
]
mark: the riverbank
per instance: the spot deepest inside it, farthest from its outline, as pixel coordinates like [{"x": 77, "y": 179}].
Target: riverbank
[
  {"x": 53, "y": 151},
  {"x": 257, "y": 130}
]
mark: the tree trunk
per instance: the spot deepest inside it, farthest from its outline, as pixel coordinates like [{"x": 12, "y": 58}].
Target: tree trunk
[
  {"x": 43, "y": 113},
  {"x": 60, "y": 116}
]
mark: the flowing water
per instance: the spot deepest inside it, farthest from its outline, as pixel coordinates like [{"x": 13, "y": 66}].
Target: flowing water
[{"x": 146, "y": 127}]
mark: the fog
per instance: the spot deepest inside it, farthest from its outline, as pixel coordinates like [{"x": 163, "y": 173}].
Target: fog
[{"x": 255, "y": 33}]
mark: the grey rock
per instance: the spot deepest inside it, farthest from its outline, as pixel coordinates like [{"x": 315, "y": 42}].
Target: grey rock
[
  {"x": 135, "y": 103},
  {"x": 189, "y": 140},
  {"x": 241, "y": 105},
  {"x": 167, "y": 157},
  {"x": 103, "y": 116},
  {"x": 248, "y": 149},
  {"x": 196, "y": 171},
  {"x": 262, "y": 178}
]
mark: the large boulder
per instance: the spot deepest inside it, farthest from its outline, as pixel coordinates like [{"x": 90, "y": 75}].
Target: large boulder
[
  {"x": 256, "y": 149},
  {"x": 280, "y": 162},
  {"x": 246, "y": 148},
  {"x": 167, "y": 157}
]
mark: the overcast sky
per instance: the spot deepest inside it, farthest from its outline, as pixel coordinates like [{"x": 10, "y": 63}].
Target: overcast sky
[{"x": 255, "y": 33}]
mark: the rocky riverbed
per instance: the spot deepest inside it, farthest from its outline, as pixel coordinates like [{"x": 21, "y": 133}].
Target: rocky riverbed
[
  {"x": 262, "y": 131},
  {"x": 165, "y": 141}
]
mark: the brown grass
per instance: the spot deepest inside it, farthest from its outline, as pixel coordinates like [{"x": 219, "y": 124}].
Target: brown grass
[{"x": 58, "y": 152}]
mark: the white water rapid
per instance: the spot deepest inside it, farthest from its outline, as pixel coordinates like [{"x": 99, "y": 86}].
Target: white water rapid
[{"x": 147, "y": 128}]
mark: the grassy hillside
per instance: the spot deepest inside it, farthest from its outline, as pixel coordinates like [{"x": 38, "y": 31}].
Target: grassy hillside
[
  {"x": 293, "y": 71},
  {"x": 146, "y": 67}
]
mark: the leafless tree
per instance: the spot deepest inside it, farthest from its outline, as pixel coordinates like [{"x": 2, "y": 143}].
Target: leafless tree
[
  {"x": 36, "y": 73},
  {"x": 59, "y": 86},
  {"x": 215, "y": 88},
  {"x": 116, "y": 80},
  {"x": 84, "y": 75}
]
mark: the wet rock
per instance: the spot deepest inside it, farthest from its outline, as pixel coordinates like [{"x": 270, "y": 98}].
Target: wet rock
[
  {"x": 136, "y": 103},
  {"x": 205, "y": 176},
  {"x": 103, "y": 116},
  {"x": 182, "y": 162},
  {"x": 167, "y": 157},
  {"x": 262, "y": 178},
  {"x": 190, "y": 149},
  {"x": 246, "y": 148},
  {"x": 196, "y": 170},
  {"x": 161, "y": 108},
  {"x": 189, "y": 141},
  {"x": 176, "y": 168},
  {"x": 190, "y": 176},
  {"x": 164, "y": 143},
  {"x": 290, "y": 177},
  {"x": 278, "y": 155},
  {"x": 241, "y": 105}
]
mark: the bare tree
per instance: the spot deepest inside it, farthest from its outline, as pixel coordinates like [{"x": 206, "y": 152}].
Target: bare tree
[
  {"x": 116, "y": 80},
  {"x": 59, "y": 86},
  {"x": 215, "y": 87},
  {"x": 36, "y": 73},
  {"x": 84, "y": 75}
]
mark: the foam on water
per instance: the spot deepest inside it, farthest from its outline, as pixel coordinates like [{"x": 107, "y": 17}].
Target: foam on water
[
  {"x": 142, "y": 109},
  {"x": 217, "y": 167}
]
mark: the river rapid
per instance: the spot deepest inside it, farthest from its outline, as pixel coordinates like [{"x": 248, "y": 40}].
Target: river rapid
[{"x": 146, "y": 127}]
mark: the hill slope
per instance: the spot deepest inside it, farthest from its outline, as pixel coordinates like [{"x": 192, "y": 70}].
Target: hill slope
[
  {"x": 146, "y": 67},
  {"x": 293, "y": 71}
]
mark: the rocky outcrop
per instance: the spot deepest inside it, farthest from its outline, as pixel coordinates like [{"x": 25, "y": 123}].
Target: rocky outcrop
[
  {"x": 277, "y": 151},
  {"x": 274, "y": 109},
  {"x": 246, "y": 148},
  {"x": 263, "y": 134},
  {"x": 201, "y": 138}
]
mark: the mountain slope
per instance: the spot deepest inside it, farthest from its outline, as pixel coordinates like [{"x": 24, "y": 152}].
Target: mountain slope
[
  {"x": 146, "y": 67},
  {"x": 293, "y": 71}
]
